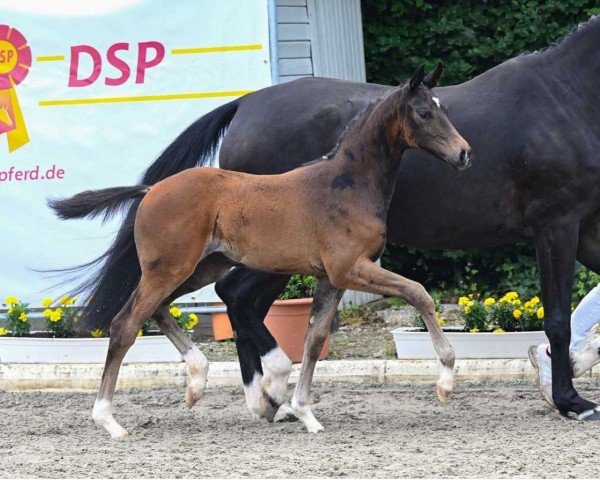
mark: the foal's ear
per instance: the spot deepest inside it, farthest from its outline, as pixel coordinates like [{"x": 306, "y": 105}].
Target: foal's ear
[
  {"x": 417, "y": 77},
  {"x": 432, "y": 78}
]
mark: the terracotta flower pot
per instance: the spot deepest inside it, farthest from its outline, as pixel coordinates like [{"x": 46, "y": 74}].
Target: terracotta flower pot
[
  {"x": 287, "y": 320},
  {"x": 221, "y": 324}
]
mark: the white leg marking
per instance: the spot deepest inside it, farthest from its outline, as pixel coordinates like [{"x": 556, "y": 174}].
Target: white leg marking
[
  {"x": 277, "y": 368},
  {"x": 198, "y": 367},
  {"x": 444, "y": 384},
  {"x": 305, "y": 415},
  {"x": 102, "y": 415},
  {"x": 255, "y": 399}
]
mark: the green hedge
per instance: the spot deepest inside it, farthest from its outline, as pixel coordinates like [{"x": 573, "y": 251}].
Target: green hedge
[{"x": 470, "y": 37}]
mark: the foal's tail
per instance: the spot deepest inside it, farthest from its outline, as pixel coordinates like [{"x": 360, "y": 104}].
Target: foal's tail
[
  {"x": 93, "y": 203},
  {"x": 113, "y": 276}
]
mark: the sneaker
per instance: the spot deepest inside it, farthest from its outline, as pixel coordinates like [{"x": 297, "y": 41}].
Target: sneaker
[{"x": 540, "y": 359}]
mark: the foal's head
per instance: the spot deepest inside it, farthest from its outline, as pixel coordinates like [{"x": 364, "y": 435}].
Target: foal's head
[{"x": 424, "y": 120}]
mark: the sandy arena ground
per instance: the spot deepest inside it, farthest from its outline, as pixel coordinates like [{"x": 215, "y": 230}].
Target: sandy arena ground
[{"x": 488, "y": 429}]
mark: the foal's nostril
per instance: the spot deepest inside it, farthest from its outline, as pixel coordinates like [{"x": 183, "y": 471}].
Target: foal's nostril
[{"x": 465, "y": 159}]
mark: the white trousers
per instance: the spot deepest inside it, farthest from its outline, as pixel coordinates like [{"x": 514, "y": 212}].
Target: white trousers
[{"x": 584, "y": 319}]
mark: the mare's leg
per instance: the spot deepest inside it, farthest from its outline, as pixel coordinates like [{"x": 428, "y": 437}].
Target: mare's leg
[
  {"x": 369, "y": 277},
  {"x": 325, "y": 304},
  {"x": 123, "y": 331},
  {"x": 248, "y": 295},
  {"x": 556, "y": 251},
  {"x": 208, "y": 271}
]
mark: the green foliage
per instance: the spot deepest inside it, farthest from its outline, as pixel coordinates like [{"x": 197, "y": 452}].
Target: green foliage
[
  {"x": 17, "y": 319},
  {"x": 299, "y": 286},
  {"x": 469, "y": 37},
  {"x": 354, "y": 315}
]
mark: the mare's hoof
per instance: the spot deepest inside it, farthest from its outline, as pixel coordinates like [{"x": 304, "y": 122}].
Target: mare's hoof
[
  {"x": 271, "y": 409},
  {"x": 590, "y": 415}
]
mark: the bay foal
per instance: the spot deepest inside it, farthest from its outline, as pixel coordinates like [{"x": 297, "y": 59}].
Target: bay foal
[{"x": 327, "y": 219}]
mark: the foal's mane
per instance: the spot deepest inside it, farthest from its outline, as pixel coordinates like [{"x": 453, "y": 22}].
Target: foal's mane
[{"x": 556, "y": 43}]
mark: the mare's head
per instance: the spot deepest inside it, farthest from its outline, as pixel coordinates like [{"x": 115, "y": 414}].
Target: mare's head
[{"x": 424, "y": 123}]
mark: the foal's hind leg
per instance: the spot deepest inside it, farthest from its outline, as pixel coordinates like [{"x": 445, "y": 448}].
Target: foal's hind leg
[
  {"x": 123, "y": 332},
  {"x": 369, "y": 277},
  {"x": 208, "y": 271},
  {"x": 325, "y": 304}
]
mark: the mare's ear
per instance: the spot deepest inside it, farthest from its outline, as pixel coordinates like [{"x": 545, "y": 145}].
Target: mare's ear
[
  {"x": 432, "y": 78},
  {"x": 417, "y": 77}
]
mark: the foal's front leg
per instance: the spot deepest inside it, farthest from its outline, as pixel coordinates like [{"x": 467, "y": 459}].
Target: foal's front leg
[
  {"x": 369, "y": 277},
  {"x": 325, "y": 304}
]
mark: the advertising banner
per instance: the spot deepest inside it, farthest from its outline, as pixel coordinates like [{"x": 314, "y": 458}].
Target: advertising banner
[{"x": 90, "y": 94}]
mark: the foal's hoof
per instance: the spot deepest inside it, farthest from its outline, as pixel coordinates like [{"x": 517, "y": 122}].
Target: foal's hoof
[
  {"x": 193, "y": 394},
  {"x": 123, "y": 435},
  {"x": 285, "y": 414},
  {"x": 442, "y": 394}
]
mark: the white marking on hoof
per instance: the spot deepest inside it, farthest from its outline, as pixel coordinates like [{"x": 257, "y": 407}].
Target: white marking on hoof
[
  {"x": 277, "y": 369},
  {"x": 436, "y": 100},
  {"x": 256, "y": 401},
  {"x": 443, "y": 386},
  {"x": 305, "y": 415},
  {"x": 284, "y": 413},
  {"x": 102, "y": 415},
  {"x": 198, "y": 368}
]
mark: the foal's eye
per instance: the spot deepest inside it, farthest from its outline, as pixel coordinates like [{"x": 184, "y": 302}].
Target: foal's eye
[{"x": 425, "y": 115}]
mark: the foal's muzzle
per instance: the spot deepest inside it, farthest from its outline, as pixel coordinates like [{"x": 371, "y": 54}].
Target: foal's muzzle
[{"x": 464, "y": 159}]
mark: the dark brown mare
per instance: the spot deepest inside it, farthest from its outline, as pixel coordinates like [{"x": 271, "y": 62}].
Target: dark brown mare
[{"x": 327, "y": 219}]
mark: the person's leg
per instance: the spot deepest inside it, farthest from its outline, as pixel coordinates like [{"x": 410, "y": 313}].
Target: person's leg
[{"x": 583, "y": 349}]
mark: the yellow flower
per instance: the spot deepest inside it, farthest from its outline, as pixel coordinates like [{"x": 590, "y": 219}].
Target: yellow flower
[
  {"x": 97, "y": 333},
  {"x": 47, "y": 302},
  {"x": 175, "y": 312},
  {"x": 47, "y": 313},
  {"x": 11, "y": 300},
  {"x": 193, "y": 321},
  {"x": 56, "y": 315},
  {"x": 517, "y": 313},
  {"x": 498, "y": 330},
  {"x": 534, "y": 301},
  {"x": 463, "y": 301},
  {"x": 474, "y": 330},
  {"x": 3, "y": 332},
  {"x": 516, "y": 302},
  {"x": 140, "y": 333},
  {"x": 489, "y": 301},
  {"x": 11, "y": 310},
  {"x": 467, "y": 308},
  {"x": 67, "y": 301},
  {"x": 540, "y": 312},
  {"x": 23, "y": 317}
]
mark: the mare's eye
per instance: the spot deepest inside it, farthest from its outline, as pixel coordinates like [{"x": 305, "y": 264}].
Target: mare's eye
[{"x": 425, "y": 115}]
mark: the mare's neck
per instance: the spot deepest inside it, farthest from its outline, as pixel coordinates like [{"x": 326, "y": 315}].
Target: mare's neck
[{"x": 575, "y": 62}]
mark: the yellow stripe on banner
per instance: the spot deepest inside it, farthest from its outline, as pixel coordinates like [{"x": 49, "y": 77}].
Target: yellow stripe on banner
[
  {"x": 226, "y": 48},
  {"x": 142, "y": 98},
  {"x": 50, "y": 58}
]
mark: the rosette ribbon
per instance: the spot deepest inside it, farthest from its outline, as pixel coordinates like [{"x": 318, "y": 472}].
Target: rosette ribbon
[{"x": 15, "y": 61}]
